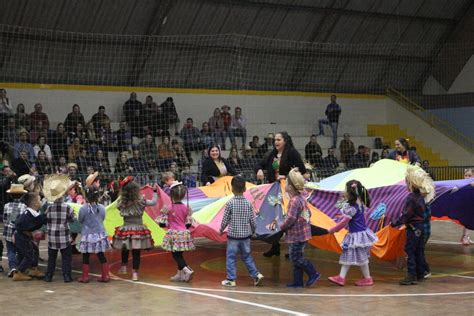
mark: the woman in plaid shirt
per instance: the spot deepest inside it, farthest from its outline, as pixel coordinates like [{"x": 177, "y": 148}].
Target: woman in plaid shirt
[{"x": 298, "y": 231}]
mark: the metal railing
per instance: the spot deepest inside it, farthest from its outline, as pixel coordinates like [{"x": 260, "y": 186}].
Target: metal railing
[{"x": 434, "y": 121}]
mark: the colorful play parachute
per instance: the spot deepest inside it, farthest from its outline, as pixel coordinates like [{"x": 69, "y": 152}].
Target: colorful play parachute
[{"x": 385, "y": 183}]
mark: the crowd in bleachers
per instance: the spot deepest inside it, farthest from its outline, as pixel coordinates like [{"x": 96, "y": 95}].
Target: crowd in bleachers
[{"x": 148, "y": 142}]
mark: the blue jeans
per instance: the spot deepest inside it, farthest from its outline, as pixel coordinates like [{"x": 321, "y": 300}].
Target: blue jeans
[
  {"x": 415, "y": 250},
  {"x": 296, "y": 254},
  {"x": 242, "y": 132},
  {"x": 233, "y": 247},
  {"x": 333, "y": 126},
  {"x": 11, "y": 254}
]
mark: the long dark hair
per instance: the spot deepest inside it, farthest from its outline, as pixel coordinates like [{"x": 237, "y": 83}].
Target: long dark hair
[
  {"x": 356, "y": 190},
  {"x": 212, "y": 146},
  {"x": 288, "y": 146},
  {"x": 404, "y": 143}
]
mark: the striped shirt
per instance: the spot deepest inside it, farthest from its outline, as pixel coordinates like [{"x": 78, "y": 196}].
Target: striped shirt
[{"x": 240, "y": 218}]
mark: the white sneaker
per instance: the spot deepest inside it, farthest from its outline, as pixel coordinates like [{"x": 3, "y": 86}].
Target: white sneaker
[
  {"x": 135, "y": 276},
  {"x": 187, "y": 274},
  {"x": 122, "y": 270},
  {"x": 228, "y": 283},
  {"x": 258, "y": 279},
  {"x": 178, "y": 277}
]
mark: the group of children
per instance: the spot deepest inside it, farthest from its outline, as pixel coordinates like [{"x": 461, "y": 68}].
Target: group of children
[{"x": 22, "y": 218}]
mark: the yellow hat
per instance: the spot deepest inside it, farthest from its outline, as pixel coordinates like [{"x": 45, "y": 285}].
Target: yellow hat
[
  {"x": 55, "y": 186},
  {"x": 16, "y": 189}
]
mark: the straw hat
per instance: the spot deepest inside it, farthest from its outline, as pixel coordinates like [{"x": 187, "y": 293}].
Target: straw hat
[
  {"x": 55, "y": 186},
  {"x": 417, "y": 178},
  {"x": 91, "y": 178},
  {"x": 72, "y": 165},
  {"x": 26, "y": 180},
  {"x": 23, "y": 131},
  {"x": 16, "y": 189},
  {"x": 296, "y": 179}
]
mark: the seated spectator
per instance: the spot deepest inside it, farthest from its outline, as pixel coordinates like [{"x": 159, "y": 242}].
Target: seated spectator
[
  {"x": 99, "y": 118},
  {"x": 312, "y": 149},
  {"x": 201, "y": 160},
  {"x": 234, "y": 160},
  {"x": 132, "y": 110},
  {"x": 61, "y": 165},
  {"x": 166, "y": 153},
  {"x": 42, "y": 164},
  {"x": 149, "y": 115},
  {"x": 162, "y": 126},
  {"x": 266, "y": 147},
  {"x": 426, "y": 166},
  {"x": 180, "y": 154},
  {"x": 10, "y": 132},
  {"x": 108, "y": 138},
  {"x": 93, "y": 140},
  {"x": 169, "y": 113},
  {"x": 42, "y": 146},
  {"x": 83, "y": 161},
  {"x": 238, "y": 127},
  {"x": 347, "y": 148},
  {"x": 74, "y": 118},
  {"x": 138, "y": 164},
  {"x": 254, "y": 144},
  {"x": 149, "y": 151},
  {"x": 359, "y": 160},
  {"x": 22, "y": 119},
  {"x": 6, "y": 109},
  {"x": 330, "y": 162},
  {"x": 206, "y": 135},
  {"x": 72, "y": 171},
  {"x": 58, "y": 140},
  {"x": 227, "y": 118},
  {"x": 121, "y": 166},
  {"x": 216, "y": 125},
  {"x": 23, "y": 145},
  {"x": 22, "y": 165},
  {"x": 385, "y": 154},
  {"x": 74, "y": 149},
  {"x": 38, "y": 131},
  {"x": 215, "y": 166},
  {"x": 248, "y": 160},
  {"x": 191, "y": 138},
  {"x": 79, "y": 132},
  {"x": 39, "y": 116},
  {"x": 375, "y": 158},
  {"x": 188, "y": 178},
  {"x": 403, "y": 154},
  {"x": 124, "y": 138},
  {"x": 174, "y": 169},
  {"x": 101, "y": 162}
]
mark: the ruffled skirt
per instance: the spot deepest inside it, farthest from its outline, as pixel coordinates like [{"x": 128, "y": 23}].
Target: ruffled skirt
[
  {"x": 356, "y": 247},
  {"x": 132, "y": 237},
  {"x": 94, "y": 243},
  {"x": 178, "y": 240}
]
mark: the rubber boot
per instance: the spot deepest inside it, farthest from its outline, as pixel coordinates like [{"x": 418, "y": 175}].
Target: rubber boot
[
  {"x": 313, "y": 275},
  {"x": 85, "y": 274},
  {"x": 105, "y": 273},
  {"x": 297, "y": 278},
  {"x": 178, "y": 277},
  {"x": 274, "y": 251},
  {"x": 187, "y": 274}
]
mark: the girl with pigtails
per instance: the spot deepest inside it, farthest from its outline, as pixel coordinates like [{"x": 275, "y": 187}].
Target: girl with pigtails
[{"x": 358, "y": 241}]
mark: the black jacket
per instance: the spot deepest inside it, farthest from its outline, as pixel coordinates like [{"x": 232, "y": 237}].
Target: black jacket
[
  {"x": 293, "y": 159},
  {"x": 209, "y": 170},
  {"x": 26, "y": 222}
]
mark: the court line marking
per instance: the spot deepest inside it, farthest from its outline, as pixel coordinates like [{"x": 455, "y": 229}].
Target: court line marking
[
  {"x": 443, "y": 242},
  {"x": 190, "y": 290}
]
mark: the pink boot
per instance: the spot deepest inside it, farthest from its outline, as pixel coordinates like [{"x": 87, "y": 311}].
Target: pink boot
[
  {"x": 338, "y": 280},
  {"x": 365, "y": 282}
]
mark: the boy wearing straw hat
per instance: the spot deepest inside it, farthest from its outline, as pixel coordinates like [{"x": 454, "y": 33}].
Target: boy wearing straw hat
[
  {"x": 10, "y": 213},
  {"x": 59, "y": 214}
]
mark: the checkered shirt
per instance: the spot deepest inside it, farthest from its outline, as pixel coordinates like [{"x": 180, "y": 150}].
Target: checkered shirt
[
  {"x": 240, "y": 218},
  {"x": 10, "y": 213},
  {"x": 59, "y": 214},
  {"x": 296, "y": 224}
]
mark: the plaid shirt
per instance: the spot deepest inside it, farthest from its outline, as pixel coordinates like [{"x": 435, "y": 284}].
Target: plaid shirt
[
  {"x": 10, "y": 213},
  {"x": 240, "y": 217},
  {"x": 296, "y": 223},
  {"x": 59, "y": 214}
]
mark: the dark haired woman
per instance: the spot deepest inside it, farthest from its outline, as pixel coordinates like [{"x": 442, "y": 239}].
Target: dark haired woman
[
  {"x": 358, "y": 241},
  {"x": 277, "y": 165},
  {"x": 215, "y": 166},
  {"x": 402, "y": 153},
  {"x": 74, "y": 118}
]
